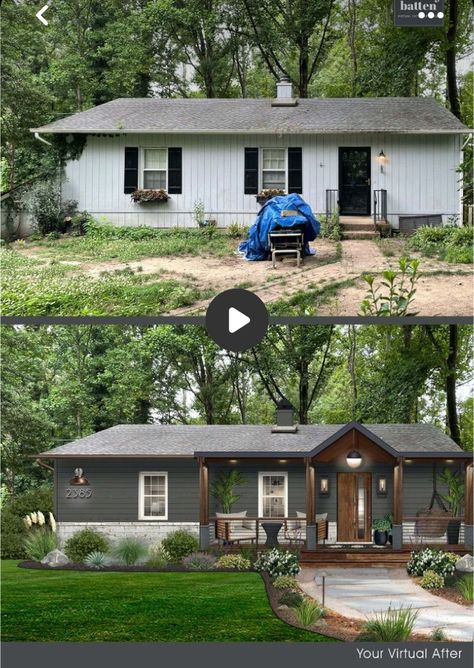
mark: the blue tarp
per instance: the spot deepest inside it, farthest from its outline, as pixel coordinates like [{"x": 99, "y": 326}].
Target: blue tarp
[{"x": 256, "y": 246}]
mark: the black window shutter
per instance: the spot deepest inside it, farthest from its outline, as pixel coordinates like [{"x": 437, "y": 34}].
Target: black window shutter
[
  {"x": 131, "y": 169},
  {"x": 175, "y": 171},
  {"x": 251, "y": 171},
  {"x": 295, "y": 170}
]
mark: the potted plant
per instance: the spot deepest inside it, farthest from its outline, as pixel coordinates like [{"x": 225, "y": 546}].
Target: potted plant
[
  {"x": 381, "y": 530},
  {"x": 223, "y": 488},
  {"x": 267, "y": 193},
  {"x": 454, "y": 498},
  {"x": 149, "y": 195}
]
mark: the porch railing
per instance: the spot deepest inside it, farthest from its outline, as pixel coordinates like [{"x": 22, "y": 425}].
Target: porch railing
[
  {"x": 380, "y": 207},
  {"x": 234, "y": 532},
  {"x": 332, "y": 206},
  {"x": 433, "y": 530}
]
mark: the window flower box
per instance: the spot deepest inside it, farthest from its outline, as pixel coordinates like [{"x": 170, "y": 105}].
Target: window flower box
[
  {"x": 266, "y": 194},
  {"x": 141, "y": 196}
]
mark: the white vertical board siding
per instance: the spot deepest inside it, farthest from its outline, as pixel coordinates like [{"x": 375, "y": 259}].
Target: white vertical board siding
[{"x": 419, "y": 175}]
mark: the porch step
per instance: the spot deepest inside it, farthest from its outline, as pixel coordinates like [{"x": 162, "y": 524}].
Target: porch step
[
  {"x": 358, "y": 227},
  {"x": 359, "y": 235}
]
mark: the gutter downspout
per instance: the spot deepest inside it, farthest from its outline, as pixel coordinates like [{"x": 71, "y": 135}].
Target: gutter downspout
[{"x": 42, "y": 139}]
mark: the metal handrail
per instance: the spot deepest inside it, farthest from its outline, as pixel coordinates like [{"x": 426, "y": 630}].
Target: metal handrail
[
  {"x": 380, "y": 206},
  {"x": 332, "y": 202}
]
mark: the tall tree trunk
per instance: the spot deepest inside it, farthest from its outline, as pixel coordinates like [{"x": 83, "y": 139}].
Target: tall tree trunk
[
  {"x": 451, "y": 82},
  {"x": 451, "y": 408}
]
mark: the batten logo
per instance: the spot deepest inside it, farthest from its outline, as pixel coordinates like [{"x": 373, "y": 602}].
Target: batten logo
[{"x": 418, "y": 13}]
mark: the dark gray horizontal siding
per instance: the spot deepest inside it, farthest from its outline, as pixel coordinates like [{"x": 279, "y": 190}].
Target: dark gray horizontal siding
[
  {"x": 418, "y": 485},
  {"x": 114, "y": 485}
]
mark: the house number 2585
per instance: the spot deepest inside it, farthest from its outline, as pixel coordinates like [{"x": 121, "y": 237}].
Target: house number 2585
[{"x": 72, "y": 493}]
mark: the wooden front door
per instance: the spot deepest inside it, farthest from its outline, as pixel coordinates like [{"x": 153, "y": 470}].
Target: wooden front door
[
  {"x": 354, "y": 507},
  {"x": 354, "y": 181}
]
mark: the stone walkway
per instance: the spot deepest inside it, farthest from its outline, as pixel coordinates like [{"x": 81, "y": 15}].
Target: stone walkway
[{"x": 361, "y": 592}]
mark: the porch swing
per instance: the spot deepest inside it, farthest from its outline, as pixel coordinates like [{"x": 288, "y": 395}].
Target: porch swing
[{"x": 433, "y": 522}]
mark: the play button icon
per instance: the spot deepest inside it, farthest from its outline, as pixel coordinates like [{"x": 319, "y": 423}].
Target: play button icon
[{"x": 236, "y": 320}]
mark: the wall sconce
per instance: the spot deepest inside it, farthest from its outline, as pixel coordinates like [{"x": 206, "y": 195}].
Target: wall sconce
[
  {"x": 382, "y": 158},
  {"x": 324, "y": 486},
  {"x": 354, "y": 459},
  {"x": 382, "y": 486},
  {"x": 79, "y": 478}
]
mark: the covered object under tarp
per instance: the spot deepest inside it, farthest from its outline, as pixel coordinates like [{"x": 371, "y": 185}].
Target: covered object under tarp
[{"x": 271, "y": 218}]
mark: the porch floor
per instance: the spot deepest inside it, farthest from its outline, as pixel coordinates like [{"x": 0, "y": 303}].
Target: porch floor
[{"x": 367, "y": 555}]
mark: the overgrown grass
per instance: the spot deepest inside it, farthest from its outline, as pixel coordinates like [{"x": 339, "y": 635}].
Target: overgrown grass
[
  {"x": 308, "y": 301},
  {"x": 31, "y": 288},
  {"x": 40, "y": 605},
  {"x": 126, "y": 244},
  {"x": 451, "y": 244}
]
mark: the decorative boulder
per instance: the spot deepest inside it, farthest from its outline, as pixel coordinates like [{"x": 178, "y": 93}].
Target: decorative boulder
[
  {"x": 55, "y": 558},
  {"x": 465, "y": 564}
]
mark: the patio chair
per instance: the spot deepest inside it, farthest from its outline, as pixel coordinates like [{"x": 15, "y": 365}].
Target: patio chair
[{"x": 235, "y": 528}]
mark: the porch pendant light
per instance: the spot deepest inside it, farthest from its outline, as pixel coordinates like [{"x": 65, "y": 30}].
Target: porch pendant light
[
  {"x": 354, "y": 459},
  {"x": 79, "y": 478}
]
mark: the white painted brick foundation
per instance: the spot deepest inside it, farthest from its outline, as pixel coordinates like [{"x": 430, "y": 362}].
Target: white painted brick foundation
[{"x": 150, "y": 533}]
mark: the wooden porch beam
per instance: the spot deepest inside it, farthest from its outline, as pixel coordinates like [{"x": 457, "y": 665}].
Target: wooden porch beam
[
  {"x": 468, "y": 492},
  {"x": 398, "y": 492},
  {"x": 203, "y": 492},
  {"x": 310, "y": 493}
]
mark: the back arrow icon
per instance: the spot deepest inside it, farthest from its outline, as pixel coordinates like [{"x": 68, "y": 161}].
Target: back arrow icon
[{"x": 40, "y": 16}]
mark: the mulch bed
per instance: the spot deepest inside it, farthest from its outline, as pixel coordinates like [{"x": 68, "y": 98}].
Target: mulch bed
[
  {"x": 451, "y": 594},
  {"x": 172, "y": 568}
]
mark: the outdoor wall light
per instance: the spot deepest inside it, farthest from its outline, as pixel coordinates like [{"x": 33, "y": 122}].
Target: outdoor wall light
[
  {"x": 381, "y": 157},
  {"x": 382, "y": 486},
  {"x": 354, "y": 459},
  {"x": 282, "y": 461},
  {"x": 79, "y": 478},
  {"x": 324, "y": 486},
  {"x": 233, "y": 461}
]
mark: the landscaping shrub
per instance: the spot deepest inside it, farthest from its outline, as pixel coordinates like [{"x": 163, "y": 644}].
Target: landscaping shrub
[
  {"x": 44, "y": 203},
  {"x": 157, "y": 557},
  {"x": 278, "y": 562},
  {"x": 180, "y": 544},
  {"x": 129, "y": 551},
  {"x": 235, "y": 562},
  {"x": 450, "y": 243},
  {"x": 465, "y": 586},
  {"x": 438, "y": 635},
  {"x": 39, "y": 543},
  {"x": 308, "y": 612},
  {"x": 442, "y": 563},
  {"x": 431, "y": 580},
  {"x": 290, "y": 598},
  {"x": 14, "y": 510},
  {"x": 285, "y": 582},
  {"x": 96, "y": 559},
  {"x": 199, "y": 561},
  {"x": 389, "y": 626},
  {"x": 83, "y": 543},
  {"x": 237, "y": 231}
]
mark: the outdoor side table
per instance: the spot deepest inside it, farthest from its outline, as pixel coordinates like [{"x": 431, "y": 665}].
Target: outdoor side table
[{"x": 272, "y": 529}]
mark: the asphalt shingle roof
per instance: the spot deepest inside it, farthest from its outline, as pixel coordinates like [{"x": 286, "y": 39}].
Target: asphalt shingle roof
[
  {"x": 316, "y": 115},
  {"x": 185, "y": 440}
]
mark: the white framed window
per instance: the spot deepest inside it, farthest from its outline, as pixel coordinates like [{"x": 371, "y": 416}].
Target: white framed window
[
  {"x": 155, "y": 168},
  {"x": 274, "y": 168},
  {"x": 273, "y": 495},
  {"x": 153, "y": 495}
]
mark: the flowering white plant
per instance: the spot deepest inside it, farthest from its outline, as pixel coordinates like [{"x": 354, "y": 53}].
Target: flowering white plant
[
  {"x": 278, "y": 562},
  {"x": 438, "y": 561},
  {"x": 34, "y": 518},
  {"x": 41, "y": 520},
  {"x": 52, "y": 522},
  {"x": 27, "y": 521}
]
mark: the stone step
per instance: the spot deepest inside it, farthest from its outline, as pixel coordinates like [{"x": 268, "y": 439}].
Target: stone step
[
  {"x": 357, "y": 227},
  {"x": 356, "y": 235}
]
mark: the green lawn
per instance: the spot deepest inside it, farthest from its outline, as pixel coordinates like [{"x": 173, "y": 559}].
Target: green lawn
[{"x": 42, "y": 605}]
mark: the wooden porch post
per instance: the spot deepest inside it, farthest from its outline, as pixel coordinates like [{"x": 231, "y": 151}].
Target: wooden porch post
[
  {"x": 203, "y": 504},
  {"x": 397, "y": 531},
  {"x": 468, "y": 506},
  {"x": 311, "y": 539}
]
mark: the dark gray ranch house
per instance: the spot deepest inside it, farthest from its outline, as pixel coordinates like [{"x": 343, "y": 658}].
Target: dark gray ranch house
[
  {"x": 323, "y": 484},
  {"x": 371, "y": 160}
]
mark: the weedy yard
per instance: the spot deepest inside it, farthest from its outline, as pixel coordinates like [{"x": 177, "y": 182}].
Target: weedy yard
[
  {"x": 39, "y": 605},
  {"x": 149, "y": 271}
]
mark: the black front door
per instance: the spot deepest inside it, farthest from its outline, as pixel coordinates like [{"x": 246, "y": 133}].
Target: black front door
[{"x": 354, "y": 181}]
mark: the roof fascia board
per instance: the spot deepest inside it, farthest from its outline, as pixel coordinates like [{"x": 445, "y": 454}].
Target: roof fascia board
[{"x": 261, "y": 131}]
